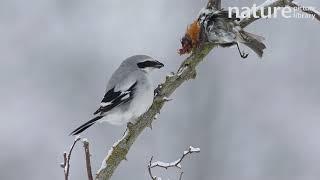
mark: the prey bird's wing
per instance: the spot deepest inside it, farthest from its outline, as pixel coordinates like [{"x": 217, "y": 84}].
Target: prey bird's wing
[
  {"x": 115, "y": 97},
  {"x": 225, "y": 15}
]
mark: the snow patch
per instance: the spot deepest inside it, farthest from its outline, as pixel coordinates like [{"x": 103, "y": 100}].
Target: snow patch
[
  {"x": 85, "y": 140},
  {"x": 193, "y": 149},
  {"x": 105, "y": 104},
  {"x": 267, "y": 3},
  {"x": 104, "y": 162}
]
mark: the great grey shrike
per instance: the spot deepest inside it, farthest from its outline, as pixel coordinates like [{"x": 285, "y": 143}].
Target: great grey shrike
[{"x": 129, "y": 93}]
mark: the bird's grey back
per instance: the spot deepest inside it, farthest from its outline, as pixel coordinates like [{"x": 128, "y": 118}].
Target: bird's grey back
[
  {"x": 126, "y": 69},
  {"x": 133, "y": 60}
]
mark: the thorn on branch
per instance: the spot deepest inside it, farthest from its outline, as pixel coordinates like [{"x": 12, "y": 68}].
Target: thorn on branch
[{"x": 150, "y": 125}]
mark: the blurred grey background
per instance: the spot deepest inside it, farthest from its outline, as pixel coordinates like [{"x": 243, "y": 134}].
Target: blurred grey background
[{"x": 254, "y": 119}]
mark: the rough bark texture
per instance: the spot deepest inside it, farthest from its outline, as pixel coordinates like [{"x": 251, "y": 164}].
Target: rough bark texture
[
  {"x": 186, "y": 72},
  {"x": 88, "y": 161}
]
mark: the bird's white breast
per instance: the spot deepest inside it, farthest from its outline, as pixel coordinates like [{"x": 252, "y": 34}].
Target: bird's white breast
[
  {"x": 139, "y": 104},
  {"x": 143, "y": 98}
]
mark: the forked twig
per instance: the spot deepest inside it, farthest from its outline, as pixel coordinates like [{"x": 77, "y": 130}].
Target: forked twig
[{"x": 171, "y": 164}]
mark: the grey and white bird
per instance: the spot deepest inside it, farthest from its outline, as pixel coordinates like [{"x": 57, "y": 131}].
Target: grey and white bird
[{"x": 129, "y": 93}]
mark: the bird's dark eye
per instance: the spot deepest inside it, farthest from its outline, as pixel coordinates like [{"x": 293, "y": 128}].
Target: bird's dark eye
[
  {"x": 153, "y": 64},
  {"x": 145, "y": 64}
]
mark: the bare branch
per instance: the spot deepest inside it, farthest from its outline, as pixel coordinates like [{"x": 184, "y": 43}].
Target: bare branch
[
  {"x": 177, "y": 162},
  {"x": 267, "y": 4},
  {"x": 149, "y": 170},
  {"x": 66, "y": 159},
  {"x": 88, "y": 162},
  {"x": 171, "y": 164},
  {"x": 314, "y": 13},
  {"x": 277, "y": 3},
  {"x": 64, "y": 165},
  {"x": 180, "y": 175}
]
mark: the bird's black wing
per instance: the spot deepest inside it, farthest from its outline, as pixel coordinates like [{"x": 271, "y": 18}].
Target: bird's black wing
[{"x": 114, "y": 98}]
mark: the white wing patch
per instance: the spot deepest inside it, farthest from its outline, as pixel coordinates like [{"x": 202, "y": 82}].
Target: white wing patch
[
  {"x": 104, "y": 104},
  {"x": 125, "y": 97},
  {"x": 114, "y": 98}
]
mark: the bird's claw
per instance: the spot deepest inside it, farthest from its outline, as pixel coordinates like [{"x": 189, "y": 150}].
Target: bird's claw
[
  {"x": 244, "y": 55},
  {"x": 125, "y": 132},
  {"x": 157, "y": 91}
]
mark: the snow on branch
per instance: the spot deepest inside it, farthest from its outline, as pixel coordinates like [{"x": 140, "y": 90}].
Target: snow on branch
[
  {"x": 315, "y": 13},
  {"x": 66, "y": 159},
  {"x": 277, "y": 3},
  {"x": 171, "y": 164}
]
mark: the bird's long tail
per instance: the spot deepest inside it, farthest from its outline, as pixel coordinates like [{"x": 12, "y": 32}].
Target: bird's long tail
[
  {"x": 85, "y": 126},
  {"x": 253, "y": 41}
]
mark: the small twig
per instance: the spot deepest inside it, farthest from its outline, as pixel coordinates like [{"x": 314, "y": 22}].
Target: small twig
[
  {"x": 180, "y": 178},
  {"x": 305, "y": 10},
  {"x": 278, "y": 3},
  {"x": 177, "y": 162},
  {"x": 64, "y": 165},
  {"x": 172, "y": 164},
  {"x": 67, "y": 157},
  {"x": 149, "y": 169},
  {"x": 88, "y": 162}
]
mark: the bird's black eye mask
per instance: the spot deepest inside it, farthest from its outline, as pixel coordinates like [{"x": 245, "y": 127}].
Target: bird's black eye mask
[{"x": 153, "y": 64}]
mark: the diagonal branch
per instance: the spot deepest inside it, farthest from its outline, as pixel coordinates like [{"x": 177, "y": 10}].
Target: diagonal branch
[
  {"x": 277, "y": 3},
  {"x": 312, "y": 12},
  {"x": 120, "y": 149},
  {"x": 186, "y": 71}
]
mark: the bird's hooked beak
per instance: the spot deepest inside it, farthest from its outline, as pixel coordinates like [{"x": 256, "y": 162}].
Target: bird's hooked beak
[{"x": 158, "y": 64}]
